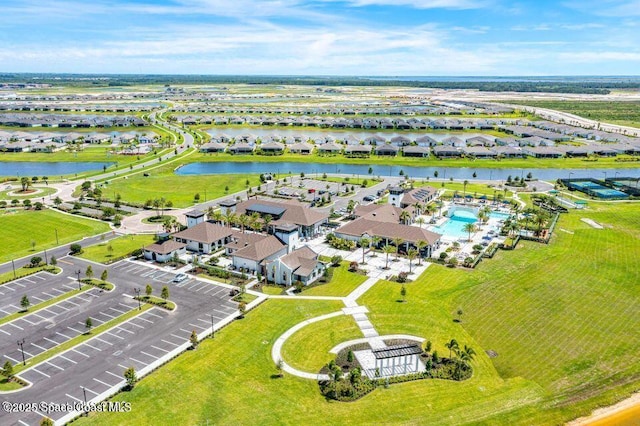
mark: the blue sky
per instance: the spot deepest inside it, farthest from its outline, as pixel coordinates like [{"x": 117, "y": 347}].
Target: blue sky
[{"x": 322, "y": 37}]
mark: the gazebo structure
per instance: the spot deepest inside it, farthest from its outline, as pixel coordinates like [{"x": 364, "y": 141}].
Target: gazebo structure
[{"x": 391, "y": 361}]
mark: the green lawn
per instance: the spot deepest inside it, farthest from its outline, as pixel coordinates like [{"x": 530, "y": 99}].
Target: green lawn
[
  {"x": 308, "y": 348},
  {"x": 11, "y": 193},
  {"x": 163, "y": 182},
  {"x": 23, "y": 271},
  {"x": 474, "y": 189},
  {"x": 380, "y": 164},
  {"x": 18, "y": 228},
  {"x": 122, "y": 246},
  {"x": 342, "y": 283}
]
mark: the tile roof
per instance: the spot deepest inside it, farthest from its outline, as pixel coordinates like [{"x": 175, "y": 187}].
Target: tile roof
[{"x": 165, "y": 247}]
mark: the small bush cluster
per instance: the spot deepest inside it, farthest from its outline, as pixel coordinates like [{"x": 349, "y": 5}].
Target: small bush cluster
[{"x": 340, "y": 243}]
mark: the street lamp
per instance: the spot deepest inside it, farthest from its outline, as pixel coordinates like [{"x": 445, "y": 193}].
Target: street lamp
[
  {"x": 21, "y": 344},
  {"x": 84, "y": 392},
  {"x": 605, "y": 175},
  {"x": 212, "y": 326},
  {"x": 137, "y": 291},
  {"x": 78, "y": 272}
]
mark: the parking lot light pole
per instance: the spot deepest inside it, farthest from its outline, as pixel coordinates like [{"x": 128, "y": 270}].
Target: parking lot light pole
[
  {"x": 21, "y": 344},
  {"x": 84, "y": 392},
  {"x": 212, "y": 331},
  {"x": 137, "y": 290},
  {"x": 78, "y": 272},
  {"x": 13, "y": 265}
]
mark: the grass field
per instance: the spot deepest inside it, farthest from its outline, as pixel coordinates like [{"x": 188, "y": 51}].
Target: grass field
[
  {"x": 121, "y": 246},
  {"x": 18, "y": 228},
  {"x": 626, "y": 113},
  {"x": 308, "y": 348},
  {"x": 162, "y": 182},
  {"x": 342, "y": 283},
  {"x": 474, "y": 189}
]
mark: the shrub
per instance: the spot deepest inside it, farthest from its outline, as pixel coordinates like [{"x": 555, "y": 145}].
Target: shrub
[
  {"x": 353, "y": 267},
  {"x": 335, "y": 260},
  {"x": 75, "y": 248},
  {"x": 402, "y": 277},
  {"x": 35, "y": 261}
]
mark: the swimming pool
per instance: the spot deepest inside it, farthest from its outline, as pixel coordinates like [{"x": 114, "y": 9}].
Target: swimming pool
[
  {"x": 454, "y": 226},
  {"x": 499, "y": 215}
]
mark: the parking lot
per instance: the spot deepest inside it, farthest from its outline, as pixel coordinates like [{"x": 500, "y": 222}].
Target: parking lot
[
  {"x": 97, "y": 365},
  {"x": 37, "y": 287}
]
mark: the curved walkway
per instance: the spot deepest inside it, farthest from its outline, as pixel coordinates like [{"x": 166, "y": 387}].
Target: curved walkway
[{"x": 276, "y": 350}]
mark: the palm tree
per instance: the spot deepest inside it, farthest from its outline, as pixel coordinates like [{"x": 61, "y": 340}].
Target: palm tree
[
  {"x": 405, "y": 217},
  {"x": 397, "y": 241},
  {"x": 387, "y": 249},
  {"x": 470, "y": 228},
  {"x": 217, "y": 216},
  {"x": 209, "y": 212},
  {"x": 420, "y": 221},
  {"x": 431, "y": 209},
  {"x": 464, "y": 188},
  {"x": 243, "y": 220},
  {"x": 451, "y": 345},
  {"x": 364, "y": 243},
  {"x": 411, "y": 254},
  {"x": 540, "y": 220},
  {"x": 375, "y": 241},
  {"x": 267, "y": 221},
  {"x": 228, "y": 217},
  {"x": 420, "y": 244},
  {"x": 467, "y": 354}
]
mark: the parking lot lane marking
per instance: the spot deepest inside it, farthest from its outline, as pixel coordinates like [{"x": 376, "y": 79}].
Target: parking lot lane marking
[
  {"x": 211, "y": 289},
  {"x": 27, "y": 321},
  {"x": 28, "y": 354},
  {"x": 83, "y": 354},
  {"x": 124, "y": 329},
  {"x": 197, "y": 326},
  {"x": 77, "y": 331},
  {"x": 57, "y": 291},
  {"x": 52, "y": 341},
  {"x": 65, "y": 358},
  {"x": 113, "y": 374},
  {"x": 39, "y": 347},
  {"x": 169, "y": 343},
  {"x": 207, "y": 321},
  {"x": 93, "y": 347},
  {"x": 118, "y": 311},
  {"x": 100, "y": 381},
  {"x": 89, "y": 390},
  {"x": 38, "y": 371},
  {"x": 12, "y": 359},
  {"x": 115, "y": 335},
  {"x": 180, "y": 337},
  {"x": 154, "y": 315},
  {"x": 136, "y": 325},
  {"x": 104, "y": 341},
  {"x": 186, "y": 331},
  {"x": 10, "y": 288},
  {"x": 149, "y": 355},
  {"x": 138, "y": 361},
  {"x": 107, "y": 315},
  {"x": 39, "y": 316},
  {"x": 16, "y": 326},
  {"x": 5, "y": 332},
  {"x": 28, "y": 280},
  {"x": 122, "y": 366},
  {"x": 71, "y": 303},
  {"x": 50, "y": 363},
  {"x": 144, "y": 319},
  {"x": 37, "y": 298},
  {"x": 19, "y": 284},
  {"x": 164, "y": 351},
  {"x": 218, "y": 292},
  {"x": 23, "y": 423},
  {"x": 73, "y": 397},
  {"x": 68, "y": 286}
]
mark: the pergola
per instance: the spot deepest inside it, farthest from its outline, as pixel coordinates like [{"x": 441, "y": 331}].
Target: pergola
[{"x": 397, "y": 360}]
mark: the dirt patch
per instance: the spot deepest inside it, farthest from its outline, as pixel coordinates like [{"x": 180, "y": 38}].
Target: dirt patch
[{"x": 592, "y": 223}]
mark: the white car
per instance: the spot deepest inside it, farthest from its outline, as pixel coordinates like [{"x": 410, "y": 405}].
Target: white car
[{"x": 179, "y": 278}]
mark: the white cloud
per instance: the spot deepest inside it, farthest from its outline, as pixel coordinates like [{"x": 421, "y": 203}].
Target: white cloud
[{"x": 423, "y": 4}]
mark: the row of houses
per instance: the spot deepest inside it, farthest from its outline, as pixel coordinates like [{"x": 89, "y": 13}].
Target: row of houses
[
  {"x": 389, "y": 123},
  {"x": 67, "y": 120},
  {"x": 447, "y": 150},
  {"x": 52, "y": 142},
  {"x": 413, "y": 107},
  {"x": 79, "y": 107}
]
